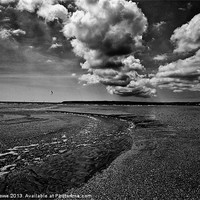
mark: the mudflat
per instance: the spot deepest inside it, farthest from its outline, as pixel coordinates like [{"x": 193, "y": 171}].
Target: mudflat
[{"x": 100, "y": 151}]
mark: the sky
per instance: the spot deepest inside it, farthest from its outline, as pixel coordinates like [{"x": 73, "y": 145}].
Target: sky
[{"x": 82, "y": 50}]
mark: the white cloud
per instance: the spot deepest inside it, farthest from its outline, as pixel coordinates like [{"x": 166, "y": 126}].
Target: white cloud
[
  {"x": 49, "y": 61},
  {"x": 5, "y": 33},
  {"x": 8, "y": 44},
  {"x": 73, "y": 74},
  {"x": 123, "y": 84},
  {"x": 159, "y": 25},
  {"x": 183, "y": 74},
  {"x": 106, "y": 33},
  {"x": 160, "y": 57},
  {"x": 130, "y": 63},
  {"x": 18, "y": 32},
  {"x": 182, "y": 9},
  {"x": 135, "y": 90},
  {"x": 89, "y": 79},
  {"x": 29, "y": 5},
  {"x": 48, "y": 9},
  {"x": 187, "y": 37},
  {"x": 51, "y": 12},
  {"x": 55, "y": 45},
  {"x": 178, "y": 91},
  {"x": 7, "y": 40},
  {"x": 105, "y": 28}
]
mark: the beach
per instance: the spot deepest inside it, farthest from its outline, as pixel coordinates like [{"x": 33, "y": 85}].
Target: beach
[{"x": 100, "y": 151}]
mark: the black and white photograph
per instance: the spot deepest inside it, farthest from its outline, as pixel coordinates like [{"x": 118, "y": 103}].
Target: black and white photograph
[{"x": 99, "y": 99}]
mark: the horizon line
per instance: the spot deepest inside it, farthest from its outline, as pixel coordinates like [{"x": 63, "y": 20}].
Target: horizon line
[{"x": 105, "y": 101}]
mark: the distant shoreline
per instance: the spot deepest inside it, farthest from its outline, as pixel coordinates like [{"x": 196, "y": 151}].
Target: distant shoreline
[{"x": 108, "y": 103}]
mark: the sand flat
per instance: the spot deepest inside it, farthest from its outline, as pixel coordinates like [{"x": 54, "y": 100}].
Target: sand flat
[{"x": 120, "y": 152}]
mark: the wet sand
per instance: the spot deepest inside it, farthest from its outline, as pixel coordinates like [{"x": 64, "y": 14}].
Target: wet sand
[
  {"x": 45, "y": 151},
  {"x": 118, "y": 152},
  {"x": 163, "y": 162}
]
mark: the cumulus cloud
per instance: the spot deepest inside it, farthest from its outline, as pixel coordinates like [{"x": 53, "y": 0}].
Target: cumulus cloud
[
  {"x": 105, "y": 28},
  {"x": 106, "y": 33},
  {"x": 89, "y": 78},
  {"x": 183, "y": 74},
  {"x": 119, "y": 83},
  {"x": 51, "y": 12},
  {"x": 135, "y": 88},
  {"x": 187, "y": 37},
  {"x": 48, "y": 9}
]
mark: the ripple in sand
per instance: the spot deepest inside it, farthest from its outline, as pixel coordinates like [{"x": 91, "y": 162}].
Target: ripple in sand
[
  {"x": 12, "y": 153},
  {"x": 6, "y": 169}
]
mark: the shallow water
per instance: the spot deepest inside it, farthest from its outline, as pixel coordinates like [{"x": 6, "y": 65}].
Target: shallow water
[{"x": 76, "y": 146}]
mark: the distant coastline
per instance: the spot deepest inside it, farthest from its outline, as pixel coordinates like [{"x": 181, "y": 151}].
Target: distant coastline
[{"x": 109, "y": 103}]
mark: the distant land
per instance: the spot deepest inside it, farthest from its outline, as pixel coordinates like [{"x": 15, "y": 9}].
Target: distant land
[{"x": 110, "y": 103}]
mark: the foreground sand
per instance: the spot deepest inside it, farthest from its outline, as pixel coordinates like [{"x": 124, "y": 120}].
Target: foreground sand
[
  {"x": 105, "y": 157},
  {"x": 162, "y": 164}
]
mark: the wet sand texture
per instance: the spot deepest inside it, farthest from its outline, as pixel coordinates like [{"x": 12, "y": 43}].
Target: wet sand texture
[
  {"x": 65, "y": 154},
  {"x": 124, "y": 152}
]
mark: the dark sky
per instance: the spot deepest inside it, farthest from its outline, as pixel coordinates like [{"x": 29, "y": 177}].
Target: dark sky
[{"x": 99, "y": 50}]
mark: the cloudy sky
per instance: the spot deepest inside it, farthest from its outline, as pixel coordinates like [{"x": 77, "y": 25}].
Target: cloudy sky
[{"x": 55, "y": 50}]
